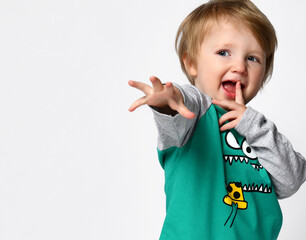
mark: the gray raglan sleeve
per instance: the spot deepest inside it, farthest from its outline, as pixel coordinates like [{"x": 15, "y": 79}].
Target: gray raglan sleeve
[
  {"x": 176, "y": 130},
  {"x": 275, "y": 153}
]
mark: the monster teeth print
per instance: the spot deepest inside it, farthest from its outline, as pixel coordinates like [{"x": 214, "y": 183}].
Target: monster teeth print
[
  {"x": 256, "y": 188},
  {"x": 257, "y": 167},
  {"x": 236, "y": 159},
  {"x": 231, "y": 159}
]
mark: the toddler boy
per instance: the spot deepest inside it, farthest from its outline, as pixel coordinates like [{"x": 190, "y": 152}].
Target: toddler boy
[{"x": 225, "y": 164}]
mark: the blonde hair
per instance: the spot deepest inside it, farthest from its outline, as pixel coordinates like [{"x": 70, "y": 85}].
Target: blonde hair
[{"x": 192, "y": 30}]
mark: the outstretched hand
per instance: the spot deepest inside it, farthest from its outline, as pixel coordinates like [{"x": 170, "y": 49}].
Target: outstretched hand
[
  {"x": 160, "y": 96},
  {"x": 235, "y": 109}
]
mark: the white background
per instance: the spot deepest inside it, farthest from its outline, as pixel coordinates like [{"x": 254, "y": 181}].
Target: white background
[{"x": 74, "y": 163}]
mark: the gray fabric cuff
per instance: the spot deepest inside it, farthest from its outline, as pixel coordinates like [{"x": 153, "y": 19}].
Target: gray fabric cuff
[{"x": 246, "y": 122}]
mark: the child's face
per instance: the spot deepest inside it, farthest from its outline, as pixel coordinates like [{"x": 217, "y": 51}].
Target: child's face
[{"x": 229, "y": 53}]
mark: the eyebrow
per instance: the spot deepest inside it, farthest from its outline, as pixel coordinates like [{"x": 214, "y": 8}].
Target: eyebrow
[{"x": 223, "y": 45}]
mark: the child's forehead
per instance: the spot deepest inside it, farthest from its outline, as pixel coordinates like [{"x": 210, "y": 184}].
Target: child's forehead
[{"x": 225, "y": 25}]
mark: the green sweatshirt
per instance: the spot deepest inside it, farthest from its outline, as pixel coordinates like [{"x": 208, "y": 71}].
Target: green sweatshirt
[{"x": 216, "y": 186}]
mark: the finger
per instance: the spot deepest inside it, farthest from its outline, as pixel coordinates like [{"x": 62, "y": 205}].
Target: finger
[
  {"x": 227, "y": 117},
  {"x": 169, "y": 86},
  {"x": 239, "y": 94},
  {"x": 185, "y": 112},
  {"x": 145, "y": 88},
  {"x": 229, "y": 125},
  {"x": 139, "y": 102},
  {"x": 225, "y": 104},
  {"x": 157, "y": 84},
  {"x": 181, "y": 109}
]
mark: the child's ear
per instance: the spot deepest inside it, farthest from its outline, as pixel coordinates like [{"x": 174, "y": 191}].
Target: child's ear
[{"x": 190, "y": 65}]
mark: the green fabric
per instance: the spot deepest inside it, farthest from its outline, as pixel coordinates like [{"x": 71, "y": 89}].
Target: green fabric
[{"x": 200, "y": 181}]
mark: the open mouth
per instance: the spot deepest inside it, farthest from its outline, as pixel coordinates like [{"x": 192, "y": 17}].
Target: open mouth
[{"x": 229, "y": 88}]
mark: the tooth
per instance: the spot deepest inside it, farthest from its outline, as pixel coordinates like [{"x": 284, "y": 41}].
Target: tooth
[
  {"x": 254, "y": 166},
  {"x": 236, "y": 158},
  {"x": 249, "y": 188},
  {"x": 246, "y": 160},
  {"x": 230, "y": 160},
  {"x": 225, "y": 158},
  {"x": 241, "y": 159},
  {"x": 256, "y": 188},
  {"x": 260, "y": 188},
  {"x": 266, "y": 189},
  {"x": 245, "y": 188}
]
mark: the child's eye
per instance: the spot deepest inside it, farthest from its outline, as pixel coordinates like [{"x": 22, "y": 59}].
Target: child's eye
[
  {"x": 253, "y": 59},
  {"x": 224, "y": 53}
]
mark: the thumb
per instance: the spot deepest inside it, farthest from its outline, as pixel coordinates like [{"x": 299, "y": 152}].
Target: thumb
[
  {"x": 181, "y": 109},
  {"x": 185, "y": 112}
]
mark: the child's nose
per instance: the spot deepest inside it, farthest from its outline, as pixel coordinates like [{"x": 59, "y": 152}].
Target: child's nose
[{"x": 239, "y": 66}]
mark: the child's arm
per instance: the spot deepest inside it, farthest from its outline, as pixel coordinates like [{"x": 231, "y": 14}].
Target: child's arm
[
  {"x": 173, "y": 129},
  {"x": 286, "y": 167}
]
